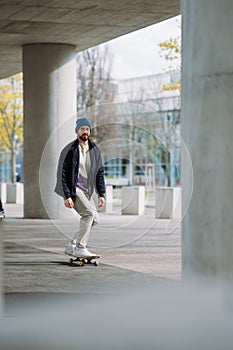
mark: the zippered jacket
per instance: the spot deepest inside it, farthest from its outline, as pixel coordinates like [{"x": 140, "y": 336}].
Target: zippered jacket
[{"x": 68, "y": 167}]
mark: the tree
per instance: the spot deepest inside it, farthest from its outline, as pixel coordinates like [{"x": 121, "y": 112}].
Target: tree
[
  {"x": 94, "y": 83},
  {"x": 171, "y": 50},
  {"x": 95, "y": 87},
  {"x": 137, "y": 122},
  {"x": 169, "y": 139},
  {"x": 11, "y": 118}
]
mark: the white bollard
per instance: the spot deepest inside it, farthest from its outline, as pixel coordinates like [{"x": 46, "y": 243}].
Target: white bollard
[
  {"x": 3, "y": 192},
  {"x": 15, "y": 193},
  {"x": 133, "y": 200},
  {"x": 108, "y": 206},
  {"x": 168, "y": 203}
]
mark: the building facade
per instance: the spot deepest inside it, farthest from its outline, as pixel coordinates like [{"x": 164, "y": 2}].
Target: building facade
[{"x": 147, "y": 113}]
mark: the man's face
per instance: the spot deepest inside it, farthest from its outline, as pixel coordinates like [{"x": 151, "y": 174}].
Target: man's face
[{"x": 84, "y": 133}]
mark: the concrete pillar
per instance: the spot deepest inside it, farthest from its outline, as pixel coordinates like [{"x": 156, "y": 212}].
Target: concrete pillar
[
  {"x": 49, "y": 72},
  {"x": 1, "y": 273},
  {"x": 207, "y": 129}
]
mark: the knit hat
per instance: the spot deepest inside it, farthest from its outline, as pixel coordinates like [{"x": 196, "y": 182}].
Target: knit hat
[{"x": 81, "y": 122}]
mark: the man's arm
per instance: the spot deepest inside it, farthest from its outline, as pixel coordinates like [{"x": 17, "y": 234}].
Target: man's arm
[
  {"x": 69, "y": 203},
  {"x": 101, "y": 201},
  {"x": 62, "y": 188},
  {"x": 100, "y": 183}
]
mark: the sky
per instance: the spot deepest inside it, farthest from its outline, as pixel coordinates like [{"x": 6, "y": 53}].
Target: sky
[{"x": 137, "y": 54}]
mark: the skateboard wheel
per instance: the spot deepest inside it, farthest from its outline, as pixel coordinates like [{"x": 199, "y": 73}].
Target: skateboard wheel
[
  {"x": 97, "y": 263},
  {"x": 71, "y": 260},
  {"x": 85, "y": 261}
]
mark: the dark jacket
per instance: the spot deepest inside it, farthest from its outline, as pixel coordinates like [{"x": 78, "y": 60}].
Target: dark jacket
[{"x": 68, "y": 167}]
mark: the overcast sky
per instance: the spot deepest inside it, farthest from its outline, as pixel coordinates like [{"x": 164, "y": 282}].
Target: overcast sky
[{"x": 137, "y": 54}]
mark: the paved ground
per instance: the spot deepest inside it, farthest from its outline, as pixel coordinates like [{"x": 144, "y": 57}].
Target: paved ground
[
  {"x": 134, "y": 250},
  {"x": 133, "y": 300}
]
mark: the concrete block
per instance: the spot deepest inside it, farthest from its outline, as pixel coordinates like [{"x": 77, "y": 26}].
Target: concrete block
[
  {"x": 133, "y": 200},
  {"x": 108, "y": 207},
  {"x": 15, "y": 193},
  {"x": 168, "y": 203},
  {"x": 3, "y": 192}
]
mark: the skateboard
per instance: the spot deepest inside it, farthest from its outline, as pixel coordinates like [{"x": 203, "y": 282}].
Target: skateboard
[{"x": 81, "y": 261}]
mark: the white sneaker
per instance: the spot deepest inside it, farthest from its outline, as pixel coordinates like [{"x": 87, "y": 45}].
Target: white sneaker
[
  {"x": 70, "y": 248},
  {"x": 82, "y": 252},
  {"x": 88, "y": 253},
  {"x": 77, "y": 251}
]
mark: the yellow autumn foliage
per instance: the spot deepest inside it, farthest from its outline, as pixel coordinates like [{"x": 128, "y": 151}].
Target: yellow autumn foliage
[
  {"x": 11, "y": 113},
  {"x": 172, "y": 86},
  {"x": 171, "y": 51}
]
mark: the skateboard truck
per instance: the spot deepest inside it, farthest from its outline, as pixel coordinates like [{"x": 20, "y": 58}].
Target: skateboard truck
[{"x": 81, "y": 261}]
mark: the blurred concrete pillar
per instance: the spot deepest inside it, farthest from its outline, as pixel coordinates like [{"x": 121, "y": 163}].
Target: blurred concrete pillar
[
  {"x": 207, "y": 129},
  {"x": 49, "y": 72},
  {"x": 1, "y": 273}
]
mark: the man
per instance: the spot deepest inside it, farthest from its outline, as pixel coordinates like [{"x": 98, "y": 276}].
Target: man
[{"x": 80, "y": 171}]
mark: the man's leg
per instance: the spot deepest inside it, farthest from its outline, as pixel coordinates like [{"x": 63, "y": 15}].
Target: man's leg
[{"x": 89, "y": 217}]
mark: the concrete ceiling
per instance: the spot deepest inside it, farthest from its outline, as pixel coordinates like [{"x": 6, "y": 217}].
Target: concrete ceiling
[{"x": 84, "y": 23}]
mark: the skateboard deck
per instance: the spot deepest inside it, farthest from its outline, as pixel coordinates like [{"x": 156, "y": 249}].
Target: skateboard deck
[{"x": 81, "y": 261}]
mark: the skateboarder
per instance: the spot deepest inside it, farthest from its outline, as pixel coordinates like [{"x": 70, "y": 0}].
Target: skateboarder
[
  {"x": 80, "y": 171},
  {"x": 2, "y": 213}
]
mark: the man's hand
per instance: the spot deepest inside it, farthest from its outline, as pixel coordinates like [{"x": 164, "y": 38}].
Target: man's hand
[
  {"x": 101, "y": 202},
  {"x": 69, "y": 203}
]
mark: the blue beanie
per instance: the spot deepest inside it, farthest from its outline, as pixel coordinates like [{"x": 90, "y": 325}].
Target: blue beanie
[{"x": 81, "y": 122}]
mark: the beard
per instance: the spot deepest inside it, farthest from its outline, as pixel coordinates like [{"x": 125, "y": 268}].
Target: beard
[{"x": 84, "y": 137}]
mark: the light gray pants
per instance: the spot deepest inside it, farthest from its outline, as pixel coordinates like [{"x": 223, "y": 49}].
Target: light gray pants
[{"x": 89, "y": 217}]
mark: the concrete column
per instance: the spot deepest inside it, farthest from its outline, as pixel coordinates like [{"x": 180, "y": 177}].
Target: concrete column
[
  {"x": 49, "y": 72},
  {"x": 207, "y": 129},
  {"x": 1, "y": 273}
]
